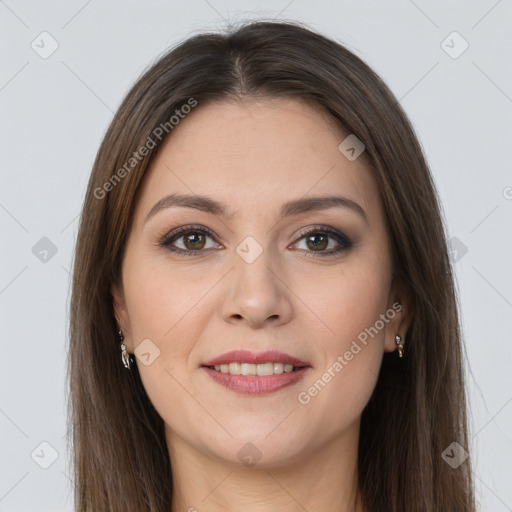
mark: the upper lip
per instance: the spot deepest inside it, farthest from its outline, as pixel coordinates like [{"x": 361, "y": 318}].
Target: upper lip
[{"x": 246, "y": 356}]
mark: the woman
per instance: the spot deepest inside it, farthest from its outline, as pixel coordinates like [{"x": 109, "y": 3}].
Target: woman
[{"x": 263, "y": 312}]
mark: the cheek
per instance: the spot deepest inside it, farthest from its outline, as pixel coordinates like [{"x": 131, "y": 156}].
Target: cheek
[
  {"x": 171, "y": 314},
  {"x": 359, "y": 305},
  {"x": 340, "y": 389},
  {"x": 351, "y": 309},
  {"x": 169, "y": 309},
  {"x": 345, "y": 303},
  {"x": 164, "y": 306}
]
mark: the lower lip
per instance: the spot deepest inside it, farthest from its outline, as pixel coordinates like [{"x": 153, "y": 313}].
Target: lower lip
[{"x": 256, "y": 385}]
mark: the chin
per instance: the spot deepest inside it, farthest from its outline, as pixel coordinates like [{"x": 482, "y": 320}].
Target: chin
[{"x": 256, "y": 450}]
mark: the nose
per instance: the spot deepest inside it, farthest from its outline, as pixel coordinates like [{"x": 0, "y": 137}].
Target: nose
[{"x": 256, "y": 293}]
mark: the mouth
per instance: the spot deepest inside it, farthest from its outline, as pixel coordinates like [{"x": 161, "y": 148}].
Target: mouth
[
  {"x": 261, "y": 369},
  {"x": 246, "y": 372}
]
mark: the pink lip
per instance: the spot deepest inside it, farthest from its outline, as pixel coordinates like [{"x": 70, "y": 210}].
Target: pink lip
[
  {"x": 246, "y": 356},
  {"x": 256, "y": 385}
]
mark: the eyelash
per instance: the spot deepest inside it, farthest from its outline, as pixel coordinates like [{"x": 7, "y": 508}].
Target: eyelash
[{"x": 341, "y": 238}]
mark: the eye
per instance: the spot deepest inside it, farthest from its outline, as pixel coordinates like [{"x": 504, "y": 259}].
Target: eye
[
  {"x": 192, "y": 238},
  {"x": 318, "y": 238}
]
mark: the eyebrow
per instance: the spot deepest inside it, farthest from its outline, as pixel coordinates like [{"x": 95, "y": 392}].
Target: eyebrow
[{"x": 219, "y": 208}]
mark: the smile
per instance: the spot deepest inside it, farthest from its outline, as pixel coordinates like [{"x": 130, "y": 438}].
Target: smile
[
  {"x": 256, "y": 373},
  {"x": 255, "y": 369}
]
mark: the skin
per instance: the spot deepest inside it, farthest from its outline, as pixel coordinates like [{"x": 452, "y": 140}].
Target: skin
[{"x": 254, "y": 156}]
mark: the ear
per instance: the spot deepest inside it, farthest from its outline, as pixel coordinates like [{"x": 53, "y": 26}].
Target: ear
[
  {"x": 121, "y": 313},
  {"x": 400, "y": 315}
]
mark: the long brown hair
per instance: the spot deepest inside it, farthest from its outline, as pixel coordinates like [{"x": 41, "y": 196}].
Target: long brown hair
[{"x": 418, "y": 408}]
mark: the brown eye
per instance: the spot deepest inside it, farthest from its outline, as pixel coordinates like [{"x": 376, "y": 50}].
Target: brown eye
[
  {"x": 194, "y": 241},
  {"x": 317, "y": 241},
  {"x": 188, "y": 240},
  {"x": 320, "y": 238}
]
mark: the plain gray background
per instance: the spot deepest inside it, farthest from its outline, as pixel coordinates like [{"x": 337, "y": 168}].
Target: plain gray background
[{"x": 55, "y": 110}]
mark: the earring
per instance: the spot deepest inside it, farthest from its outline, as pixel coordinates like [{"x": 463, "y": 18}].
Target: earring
[
  {"x": 400, "y": 344},
  {"x": 124, "y": 355}
]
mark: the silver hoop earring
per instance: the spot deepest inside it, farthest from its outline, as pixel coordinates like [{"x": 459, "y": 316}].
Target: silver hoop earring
[
  {"x": 125, "y": 357},
  {"x": 400, "y": 344}
]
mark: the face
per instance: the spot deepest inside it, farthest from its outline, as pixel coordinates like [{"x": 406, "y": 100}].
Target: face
[{"x": 313, "y": 284}]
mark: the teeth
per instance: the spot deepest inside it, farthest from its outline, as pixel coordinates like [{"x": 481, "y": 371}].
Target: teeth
[
  {"x": 235, "y": 368},
  {"x": 249, "y": 369},
  {"x": 265, "y": 369},
  {"x": 254, "y": 369}
]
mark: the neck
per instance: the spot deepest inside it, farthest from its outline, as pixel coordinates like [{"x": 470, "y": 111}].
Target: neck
[{"x": 325, "y": 479}]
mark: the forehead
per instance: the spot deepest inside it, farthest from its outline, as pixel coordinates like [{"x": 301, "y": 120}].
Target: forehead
[{"x": 254, "y": 153}]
